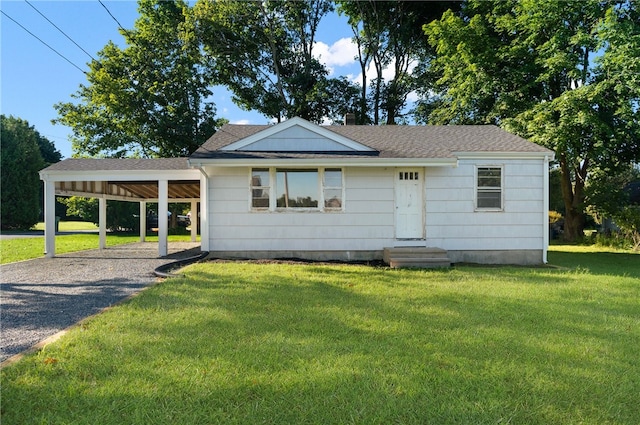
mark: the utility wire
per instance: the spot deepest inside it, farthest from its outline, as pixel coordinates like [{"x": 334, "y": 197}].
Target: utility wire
[
  {"x": 113, "y": 17},
  {"x": 42, "y": 41},
  {"x": 63, "y": 33}
]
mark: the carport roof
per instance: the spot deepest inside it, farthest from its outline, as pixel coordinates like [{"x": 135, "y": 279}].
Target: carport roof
[
  {"x": 119, "y": 164},
  {"x": 132, "y": 179}
]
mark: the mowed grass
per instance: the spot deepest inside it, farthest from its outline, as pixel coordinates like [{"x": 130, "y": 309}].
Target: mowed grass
[
  {"x": 69, "y": 226},
  {"x": 272, "y": 343}
]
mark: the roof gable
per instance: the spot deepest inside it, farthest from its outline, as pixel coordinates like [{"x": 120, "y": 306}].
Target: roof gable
[{"x": 296, "y": 135}]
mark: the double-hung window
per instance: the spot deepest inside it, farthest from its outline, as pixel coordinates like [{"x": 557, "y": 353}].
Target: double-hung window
[
  {"x": 260, "y": 188},
  {"x": 489, "y": 188},
  {"x": 296, "y": 189},
  {"x": 332, "y": 188}
]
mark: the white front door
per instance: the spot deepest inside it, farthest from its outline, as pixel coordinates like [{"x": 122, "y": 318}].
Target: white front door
[{"x": 409, "y": 204}]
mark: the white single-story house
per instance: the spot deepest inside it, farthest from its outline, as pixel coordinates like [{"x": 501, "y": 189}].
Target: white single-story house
[{"x": 299, "y": 190}]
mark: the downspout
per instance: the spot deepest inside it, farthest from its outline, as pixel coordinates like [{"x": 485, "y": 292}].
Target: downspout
[
  {"x": 204, "y": 208},
  {"x": 545, "y": 208}
]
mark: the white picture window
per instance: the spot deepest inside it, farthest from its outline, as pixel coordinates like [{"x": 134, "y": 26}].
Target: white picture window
[
  {"x": 297, "y": 189},
  {"x": 489, "y": 188}
]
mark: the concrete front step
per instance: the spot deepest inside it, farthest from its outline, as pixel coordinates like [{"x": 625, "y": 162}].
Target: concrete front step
[{"x": 417, "y": 257}]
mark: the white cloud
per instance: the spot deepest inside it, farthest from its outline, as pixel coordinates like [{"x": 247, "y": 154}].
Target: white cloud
[
  {"x": 413, "y": 97},
  {"x": 340, "y": 53},
  {"x": 240, "y": 122},
  {"x": 387, "y": 72}
]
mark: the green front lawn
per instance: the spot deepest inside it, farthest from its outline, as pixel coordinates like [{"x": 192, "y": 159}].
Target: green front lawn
[{"x": 253, "y": 343}]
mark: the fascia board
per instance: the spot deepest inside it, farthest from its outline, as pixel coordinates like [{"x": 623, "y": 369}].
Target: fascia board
[
  {"x": 119, "y": 175},
  {"x": 328, "y": 162},
  {"x": 504, "y": 155},
  {"x": 304, "y": 124}
]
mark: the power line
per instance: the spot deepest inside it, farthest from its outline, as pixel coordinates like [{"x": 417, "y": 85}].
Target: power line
[
  {"x": 65, "y": 34},
  {"x": 42, "y": 41},
  {"x": 113, "y": 17}
]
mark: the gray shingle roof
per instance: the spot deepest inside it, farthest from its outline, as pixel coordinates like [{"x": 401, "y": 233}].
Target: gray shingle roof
[
  {"x": 433, "y": 142},
  {"x": 388, "y": 141}
]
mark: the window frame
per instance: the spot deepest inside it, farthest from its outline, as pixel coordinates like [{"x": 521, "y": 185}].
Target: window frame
[
  {"x": 324, "y": 188},
  {"x": 320, "y": 189},
  {"x": 489, "y": 189},
  {"x": 253, "y": 187}
]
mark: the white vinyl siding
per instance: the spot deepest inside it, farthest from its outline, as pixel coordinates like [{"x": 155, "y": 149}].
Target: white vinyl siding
[
  {"x": 453, "y": 221},
  {"x": 365, "y": 221}
]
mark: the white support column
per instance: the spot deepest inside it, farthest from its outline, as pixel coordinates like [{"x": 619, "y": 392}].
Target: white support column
[
  {"x": 204, "y": 211},
  {"x": 102, "y": 222},
  {"x": 143, "y": 221},
  {"x": 50, "y": 219},
  {"x": 194, "y": 220},
  {"x": 545, "y": 209},
  {"x": 163, "y": 214}
]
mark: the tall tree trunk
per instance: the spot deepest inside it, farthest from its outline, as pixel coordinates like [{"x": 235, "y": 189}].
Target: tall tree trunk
[{"x": 573, "y": 197}]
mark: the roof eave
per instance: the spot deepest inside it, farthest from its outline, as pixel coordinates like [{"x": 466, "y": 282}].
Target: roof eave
[
  {"x": 324, "y": 162},
  {"x": 118, "y": 175},
  {"x": 506, "y": 155}
]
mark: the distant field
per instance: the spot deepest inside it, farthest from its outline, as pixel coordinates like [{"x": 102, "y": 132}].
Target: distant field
[{"x": 70, "y": 226}]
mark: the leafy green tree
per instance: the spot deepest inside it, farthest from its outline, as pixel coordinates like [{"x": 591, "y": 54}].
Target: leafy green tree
[
  {"x": 263, "y": 53},
  {"x": 388, "y": 34},
  {"x": 20, "y": 162},
  {"x": 563, "y": 74},
  {"x": 617, "y": 196},
  {"x": 121, "y": 215},
  {"x": 150, "y": 99}
]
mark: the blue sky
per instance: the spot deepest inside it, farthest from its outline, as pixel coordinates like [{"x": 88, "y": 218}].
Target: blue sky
[{"x": 33, "y": 78}]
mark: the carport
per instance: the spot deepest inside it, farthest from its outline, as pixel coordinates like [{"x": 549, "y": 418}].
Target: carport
[{"x": 161, "y": 180}]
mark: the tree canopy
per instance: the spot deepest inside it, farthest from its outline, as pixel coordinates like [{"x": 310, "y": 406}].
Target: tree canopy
[
  {"x": 388, "y": 34},
  {"x": 263, "y": 53},
  {"x": 149, "y": 99},
  {"x": 565, "y": 75},
  {"x": 562, "y": 74},
  {"x": 22, "y": 158}
]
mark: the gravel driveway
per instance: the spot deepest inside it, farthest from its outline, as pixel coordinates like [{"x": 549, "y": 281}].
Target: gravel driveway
[{"x": 41, "y": 297}]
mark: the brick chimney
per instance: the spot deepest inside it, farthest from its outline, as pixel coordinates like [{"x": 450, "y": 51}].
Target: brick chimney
[{"x": 349, "y": 118}]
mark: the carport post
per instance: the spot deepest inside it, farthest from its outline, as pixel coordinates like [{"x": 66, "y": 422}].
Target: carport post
[
  {"x": 49, "y": 218},
  {"x": 102, "y": 222},
  {"x": 163, "y": 217},
  {"x": 194, "y": 220},
  {"x": 143, "y": 221}
]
